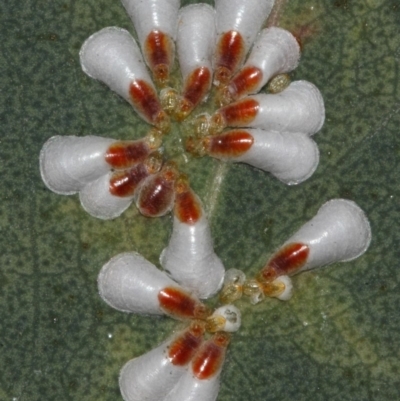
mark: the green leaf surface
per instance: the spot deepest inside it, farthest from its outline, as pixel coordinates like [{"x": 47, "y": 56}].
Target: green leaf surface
[{"x": 336, "y": 339}]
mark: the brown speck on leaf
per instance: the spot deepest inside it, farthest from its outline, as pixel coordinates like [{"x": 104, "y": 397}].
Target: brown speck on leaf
[
  {"x": 344, "y": 4},
  {"x": 99, "y": 314}
]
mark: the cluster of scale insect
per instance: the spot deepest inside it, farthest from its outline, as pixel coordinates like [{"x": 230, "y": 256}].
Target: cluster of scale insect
[{"x": 270, "y": 131}]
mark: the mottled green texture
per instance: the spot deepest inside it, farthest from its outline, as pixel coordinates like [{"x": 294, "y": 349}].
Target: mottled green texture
[{"x": 337, "y": 339}]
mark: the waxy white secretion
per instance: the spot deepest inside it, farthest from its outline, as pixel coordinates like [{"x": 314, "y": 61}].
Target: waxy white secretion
[
  {"x": 290, "y": 157},
  {"x": 298, "y": 108},
  {"x": 274, "y": 52},
  {"x": 242, "y": 18},
  {"x": 339, "y": 232},
  {"x": 68, "y": 163},
  {"x": 130, "y": 283},
  {"x": 190, "y": 258}
]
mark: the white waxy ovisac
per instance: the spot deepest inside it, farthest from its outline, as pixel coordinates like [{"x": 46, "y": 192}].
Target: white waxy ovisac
[
  {"x": 339, "y": 232},
  {"x": 290, "y": 157},
  {"x": 97, "y": 200},
  {"x": 112, "y": 56},
  {"x": 196, "y": 37},
  {"x": 130, "y": 283},
  {"x": 68, "y": 163},
  {"x": 190, "y": 258},
  {"x": 150, "y": 15},
  {"x": 190, "y": 388},
  {"x": 299, "y": 108},
  {"x": 243, "y": 16},
  {"x": 275, "y": 51},
  {"x": 150, "y": 376}
]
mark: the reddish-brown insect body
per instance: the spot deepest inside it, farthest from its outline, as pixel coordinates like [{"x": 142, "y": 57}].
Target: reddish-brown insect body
[
  {"x": 187, "y": 207},
  {"x": 183, "y": 348},
  {"x": 157, "y": 193},
  {"x": 246, "y": 81},
  {"x": 286, "y": 261},
  {"x": 229, "y": 55},
  {"x": 208, "y": 360},
  {"x": 239, "y": 113},
  {"x": 230, "y": 144},
  {"x": 121, "y": 155},
  {"x": 197, "y": 85},
  {"x": 159, "y": 51},
  {"x": 180, "y": 304},
  {"x": 145, "y": 99},
  {"x": 124, "y": 183}
]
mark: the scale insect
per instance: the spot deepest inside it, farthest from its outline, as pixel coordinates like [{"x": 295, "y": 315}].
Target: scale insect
[
  {"x": 339, "y": 232},
  {"x": 271, "y": 132},
  {"x": 290, "y": 157},
  {"x": 195, "y": 43},
  {"x": 113, "y": 57},
  {"x": 301, "y": 100},
  {"x": 130, "y": 283}
]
